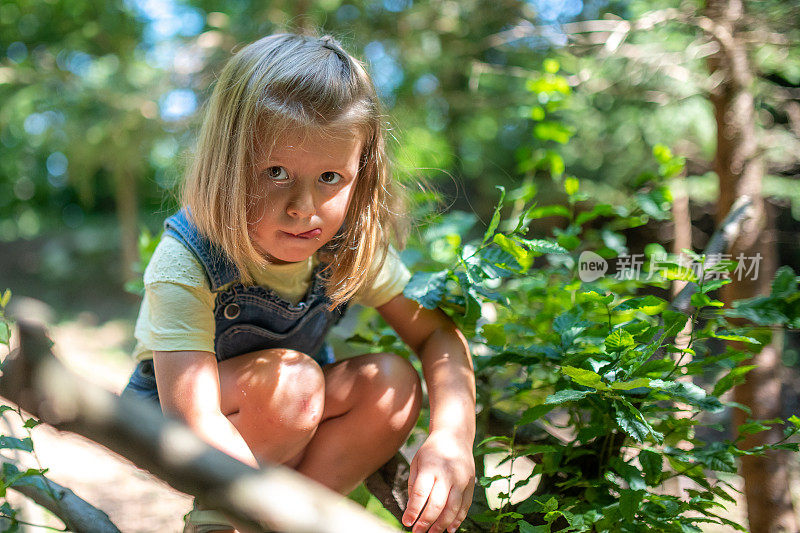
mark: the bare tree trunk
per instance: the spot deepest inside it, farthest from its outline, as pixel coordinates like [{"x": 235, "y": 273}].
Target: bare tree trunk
[
  {"x": 302, "y": 19},
  {"x": 682, "y": 221},
  {"x": 740, "y": 169}
]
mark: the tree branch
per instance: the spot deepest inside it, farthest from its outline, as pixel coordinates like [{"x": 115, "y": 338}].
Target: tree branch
[
  {"x": 273, "y": 498},
  {"x": 725, "y": 234},
  {"x": 571, "y": 29},
  {"x": 77, "y": 514}
]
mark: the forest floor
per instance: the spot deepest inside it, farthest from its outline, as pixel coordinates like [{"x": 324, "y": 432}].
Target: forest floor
[{"x": 134, "y": 500}]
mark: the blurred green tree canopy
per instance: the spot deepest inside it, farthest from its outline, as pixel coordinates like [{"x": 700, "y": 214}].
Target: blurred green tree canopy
[{"x": 100, "y": 101}]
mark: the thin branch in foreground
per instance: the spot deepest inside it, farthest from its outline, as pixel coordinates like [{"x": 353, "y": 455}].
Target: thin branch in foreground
[
  {"x": 77, "y": 514},
  {"x": 274, "y": 498}
]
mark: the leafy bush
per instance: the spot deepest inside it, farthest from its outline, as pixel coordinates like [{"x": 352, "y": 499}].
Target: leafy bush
[{"x": 598, "y": 382}]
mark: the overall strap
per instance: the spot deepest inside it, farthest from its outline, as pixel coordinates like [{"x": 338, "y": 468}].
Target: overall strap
[{"x": 219, "y": 269}]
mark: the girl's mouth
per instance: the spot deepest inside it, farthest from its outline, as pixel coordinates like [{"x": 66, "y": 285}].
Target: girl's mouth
[{"x": 308, "y": 234}]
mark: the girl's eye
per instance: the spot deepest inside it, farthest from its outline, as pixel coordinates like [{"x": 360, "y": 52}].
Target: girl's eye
[
  {"x": 277, "y": 174},
  {"x": 330, "y": 178}
]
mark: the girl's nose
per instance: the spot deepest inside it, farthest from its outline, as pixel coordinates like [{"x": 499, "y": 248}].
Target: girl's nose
[{"x": 301, "y": 205}]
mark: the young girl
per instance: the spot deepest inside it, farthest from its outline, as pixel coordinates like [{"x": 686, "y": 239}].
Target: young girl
[{"x": 286, "y": 219}]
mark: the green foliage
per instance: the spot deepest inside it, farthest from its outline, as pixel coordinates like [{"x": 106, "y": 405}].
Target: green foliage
[
  {"x": 10, "y": 475},
  {"x": 603, "y": 358},
  {"x": 147, "y": 246}
]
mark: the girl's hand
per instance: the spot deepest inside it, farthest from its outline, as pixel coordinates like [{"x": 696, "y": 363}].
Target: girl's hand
[{"x": 440, "y": 484}]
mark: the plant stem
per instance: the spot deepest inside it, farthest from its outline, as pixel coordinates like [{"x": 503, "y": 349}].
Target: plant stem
[{"x": 30, "y": 524}]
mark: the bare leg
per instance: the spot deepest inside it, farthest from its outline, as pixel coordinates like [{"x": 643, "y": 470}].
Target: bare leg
[
  {"x": 371, "y": 404},
  {"x": 275, "y": 399},
  {"x": 335, "y": 426}
]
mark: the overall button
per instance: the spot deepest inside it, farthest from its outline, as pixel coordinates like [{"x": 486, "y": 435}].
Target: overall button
[{"x": 231, "y": 311}]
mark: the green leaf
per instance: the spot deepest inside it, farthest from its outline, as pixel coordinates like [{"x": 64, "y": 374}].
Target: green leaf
[
  {"x": 485, "y": 481},
  {"x": 674, "y": 271},
  {"x": 629, "y": 473},
  {"x": 662, "y": 153},
  {"x": 689, "y": 393},
  {"x": 717, "y": 456},
  {"x": 713, "y": 284},
  {"x": 584, "y": 377},
  {"x": 631, "y": 421},
  {"x": 525, "y": 527},
  {"x": 619, "y": 340},
  {"x": 674, "y": 322},
  {"x": 534, "y": 449},
  {"x": 594, "y": 296},
  {"x": 552, "y": 131},
  {"x": 731, "y": 379},
  {"x": 728, "y": 336},
  {"x": 5, "y": 332},
  {"x": 541, "y": 246},
  {"x": 761, "y": 310},
  {"x": 513, "y": 247},
  {"x": 534, "y": 413},
  {"x": 784, "y": 283},
  {"x": 496, "y": 216},
  {"x": 700, "y": 299},
  {"x": 652, "y": 466},
  {"x": 31, "y": 423},
  {"x": 647, "y": 304},
  {"x": 494, "y": 334},
  {"x": 597, "y": 211},
  {"x": 495, "y": 438},
  {"x": 571, "y": 185},
  {"x": 632, "y": 384},
  {"x": 629, "y": 501},
  {"x": 5, "y": 298},
  {"x": 549, "y": 211},
  {"x": 550, "y": 505},
  {"x": 13, "y": 443},
  {"x": 427, "y": 288},
  {"x": 752, "y": 427},
  {"x": 565, "y": 395}
]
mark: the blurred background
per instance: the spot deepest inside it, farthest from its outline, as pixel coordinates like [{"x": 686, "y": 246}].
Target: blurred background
[{"x": 100, "y": 102}]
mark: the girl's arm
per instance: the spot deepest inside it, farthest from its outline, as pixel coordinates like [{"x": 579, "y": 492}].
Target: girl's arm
[
  {"x": 443, "y": 470},
  {"x": 188, "y": 387}
]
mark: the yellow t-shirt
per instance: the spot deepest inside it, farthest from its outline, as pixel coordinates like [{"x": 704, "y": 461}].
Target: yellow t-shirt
[{"x": 177, "y": 312}]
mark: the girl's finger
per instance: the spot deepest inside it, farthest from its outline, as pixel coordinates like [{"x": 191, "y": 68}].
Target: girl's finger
[
  {"x": 466, "y": 503},
  {"x": 449, "y": 513},
  {"x": 418, "y": 491},
  {"x": 436, "y": 501}
]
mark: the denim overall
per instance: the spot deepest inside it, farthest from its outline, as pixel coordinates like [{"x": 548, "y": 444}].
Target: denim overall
[{"x": 249, "y": 318}]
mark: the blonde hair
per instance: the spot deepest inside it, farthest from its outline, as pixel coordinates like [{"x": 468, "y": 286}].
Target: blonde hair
[{"x": 294, "y": 82}]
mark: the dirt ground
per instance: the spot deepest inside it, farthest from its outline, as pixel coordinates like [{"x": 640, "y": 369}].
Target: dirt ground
[{"x": 134, "y": 500}]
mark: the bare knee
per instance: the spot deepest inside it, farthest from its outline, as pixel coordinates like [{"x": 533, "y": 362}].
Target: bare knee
[
  {"x": 298, "y": 398},
  {"x": 282, "y": 392},
  {"x": 397, "y": 390}
]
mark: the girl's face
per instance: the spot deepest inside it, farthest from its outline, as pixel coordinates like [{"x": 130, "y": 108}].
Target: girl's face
[{"x": 304, "y": 186}]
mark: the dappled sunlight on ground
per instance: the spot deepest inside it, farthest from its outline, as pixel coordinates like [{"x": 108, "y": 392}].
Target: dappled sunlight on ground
[{"x": 96, "y": 352}]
